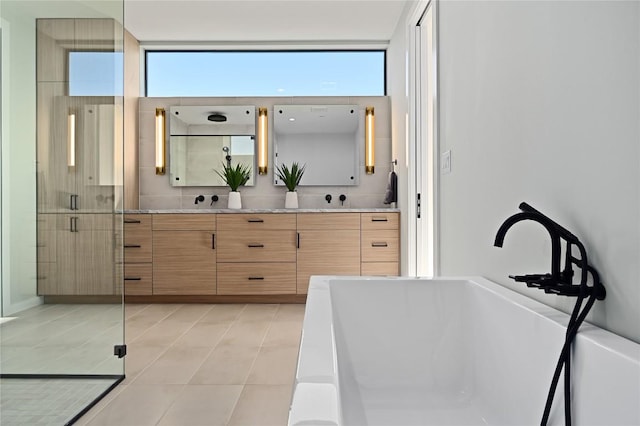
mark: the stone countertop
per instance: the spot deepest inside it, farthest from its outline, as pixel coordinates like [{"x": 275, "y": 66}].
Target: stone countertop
[{"x": 252, "y": 211}]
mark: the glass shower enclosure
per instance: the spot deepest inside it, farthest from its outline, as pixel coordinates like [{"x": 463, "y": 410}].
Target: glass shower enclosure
[{"x": 61, "y": 323}]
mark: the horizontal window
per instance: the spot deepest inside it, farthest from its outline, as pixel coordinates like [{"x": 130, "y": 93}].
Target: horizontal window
[{"x": 265, "y": 73}]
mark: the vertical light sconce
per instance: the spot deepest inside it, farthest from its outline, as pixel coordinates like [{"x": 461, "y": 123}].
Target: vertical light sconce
[
  {"x": 369, "y": 141},
  {"x": 263, "y": 131},
  {"x": 71, "y": 139},
  {"x": 160, "y": 141}
]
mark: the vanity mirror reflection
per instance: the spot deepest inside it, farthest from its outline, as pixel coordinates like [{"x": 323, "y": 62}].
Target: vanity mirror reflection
[
  {"x": 325, "y": 138},
  {"x": 205, "y": 138}
]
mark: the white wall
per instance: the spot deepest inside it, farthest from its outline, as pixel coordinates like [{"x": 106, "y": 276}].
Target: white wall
[
  {"x": 539, "y": 102},
  {"x": 399, "y": 99},
  {"x": 18, "y": 163}
]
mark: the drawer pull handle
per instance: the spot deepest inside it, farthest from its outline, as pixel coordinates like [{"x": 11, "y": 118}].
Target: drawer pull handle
[
  {"x": 256, "y": 278},
  {"x": 132, "y": 279},
  {"x": 132, "y": 246},
  {"x": 298, "y": 240},
  {"x": 73, "y": 223},
  {"x": 256, "y": 245},
  {"x": 379, "y": 244},
  {"x": 213, "y": 241},
  {"x": 73, "y": 202},
  {"x": 378, "y": 219},
  {"x": 255, "y": 220},
  {"x": 132, "y": 221}
]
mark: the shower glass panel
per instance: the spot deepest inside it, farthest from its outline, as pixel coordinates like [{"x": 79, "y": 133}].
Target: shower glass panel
[{"x": 61, "y": 322}]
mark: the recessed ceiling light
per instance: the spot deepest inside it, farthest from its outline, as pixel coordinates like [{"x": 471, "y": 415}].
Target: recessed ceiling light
[{"x": 292, "y": 119}]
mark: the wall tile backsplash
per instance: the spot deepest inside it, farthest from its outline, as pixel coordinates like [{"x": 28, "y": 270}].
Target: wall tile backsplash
[{"x": 157, "y": 193}]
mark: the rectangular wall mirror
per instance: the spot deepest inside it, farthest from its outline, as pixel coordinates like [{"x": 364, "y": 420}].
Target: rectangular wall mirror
[
  {"x": 326, "y": 138},
  {"x": 205, "y": 138}
]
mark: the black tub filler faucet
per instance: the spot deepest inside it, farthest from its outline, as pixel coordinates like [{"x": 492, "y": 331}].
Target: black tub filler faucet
[{"x": 560, "y": 282}]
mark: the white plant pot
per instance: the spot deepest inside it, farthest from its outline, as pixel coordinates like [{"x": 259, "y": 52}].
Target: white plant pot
[
  {"x": 291, "y": 200},
  {"x": 235, "y": 202}
]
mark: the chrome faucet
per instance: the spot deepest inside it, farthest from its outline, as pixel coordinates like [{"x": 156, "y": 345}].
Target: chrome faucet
[{"x": 560, "y": 283}]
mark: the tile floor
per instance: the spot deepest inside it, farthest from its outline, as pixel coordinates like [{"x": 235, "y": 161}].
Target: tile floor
[
  {"x": 43, "y": 402},
  {"x": 62, "y": 339},
  {"x": 205, "y": 365}
]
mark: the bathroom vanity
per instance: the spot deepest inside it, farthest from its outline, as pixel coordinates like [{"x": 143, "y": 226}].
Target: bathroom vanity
[{"x": 252, "y": 255}]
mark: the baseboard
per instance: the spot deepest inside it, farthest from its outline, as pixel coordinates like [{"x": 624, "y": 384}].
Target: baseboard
[
  {"x": 19, "y": 307},
  {"x": 276, "y": 298},
  {"x": 105, "y": 299}
]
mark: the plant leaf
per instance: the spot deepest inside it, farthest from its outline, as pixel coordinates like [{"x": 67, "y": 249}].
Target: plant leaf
[{"x": 290, "y": 176}]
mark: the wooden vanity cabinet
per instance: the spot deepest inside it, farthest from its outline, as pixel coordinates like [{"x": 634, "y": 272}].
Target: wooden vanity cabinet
[
  {"x": 257, "y": 254},
  {"x": 47, "y": 259},
  {"x": 184, "y": 254},
  {"x": 328, "y": 244},
  {"x": 138, "y": 266},
  {"x": 380, "y": 241},
  {"x": 248, "y": 256}
]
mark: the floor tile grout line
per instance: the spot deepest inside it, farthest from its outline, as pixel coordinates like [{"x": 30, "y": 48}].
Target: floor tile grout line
[
  {"x": 202, "y": 363},
  {"x": 213, "y": 348},
  {"x": 244, "y": 385},
  {"x": 156, "y": 324},
  {"x": 260, "y": 347},
  {"x": 170, "y": 345},
  {"x": 167, "y": 347},
  {"x": 111, "y": 395}
]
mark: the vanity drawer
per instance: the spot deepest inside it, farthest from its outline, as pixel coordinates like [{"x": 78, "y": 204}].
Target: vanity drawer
[
  {"x": 328, "y": 221},
  {"x": 184, "y": 222},
  {"x": 380, "y": 246},
  {"x": 250, "y": 222},
  {"x": 260, "y": 278},
  {"x": 380, "y": 269},
  {"x": 137, "y": 246},
  {"x": 257, "y": 246},
  {"x": 376, "y": 221},
  {"x": 138, "y": 279},
  {"x": 138, "y": 222}
]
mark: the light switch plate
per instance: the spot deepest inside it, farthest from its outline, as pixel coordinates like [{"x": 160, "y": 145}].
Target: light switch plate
[{"x": 445, "y": 162}]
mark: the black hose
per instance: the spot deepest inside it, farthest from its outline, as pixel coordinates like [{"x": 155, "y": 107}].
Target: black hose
[{"x": 572, "y": 330}]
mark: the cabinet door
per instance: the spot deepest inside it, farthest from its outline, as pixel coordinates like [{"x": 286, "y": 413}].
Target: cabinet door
[
  {"x": 327, "y": 253},
  {"x": 66, "y": 255},
  {"x": 95, "y": 257},
  {"x": 184, "y": 263}
]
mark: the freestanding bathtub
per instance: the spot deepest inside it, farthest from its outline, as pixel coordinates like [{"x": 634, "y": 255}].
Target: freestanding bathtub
[{"x": 458, "y": 351}]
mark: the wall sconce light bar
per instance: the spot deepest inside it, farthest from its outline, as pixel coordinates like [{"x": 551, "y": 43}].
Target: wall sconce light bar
[
  {"x": 263, "y": 132},
  {"x": 71, "y": 139},
  {"x": 369, "y": 141},
  {"x": 160, "y": 142}
]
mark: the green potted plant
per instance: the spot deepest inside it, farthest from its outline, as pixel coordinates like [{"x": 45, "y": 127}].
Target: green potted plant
[
  {"x": 235, "y": 177},
  {"x": 291, "y": 178}
]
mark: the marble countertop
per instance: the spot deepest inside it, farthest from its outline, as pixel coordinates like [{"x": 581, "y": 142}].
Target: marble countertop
[{"x": 250, "y": 211}]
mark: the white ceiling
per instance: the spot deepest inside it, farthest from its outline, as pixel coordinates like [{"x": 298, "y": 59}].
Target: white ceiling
[{"x": 262, "y": 21}]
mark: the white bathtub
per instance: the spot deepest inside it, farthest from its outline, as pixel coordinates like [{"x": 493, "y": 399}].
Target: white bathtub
[{"x": 403, "y": 351}]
